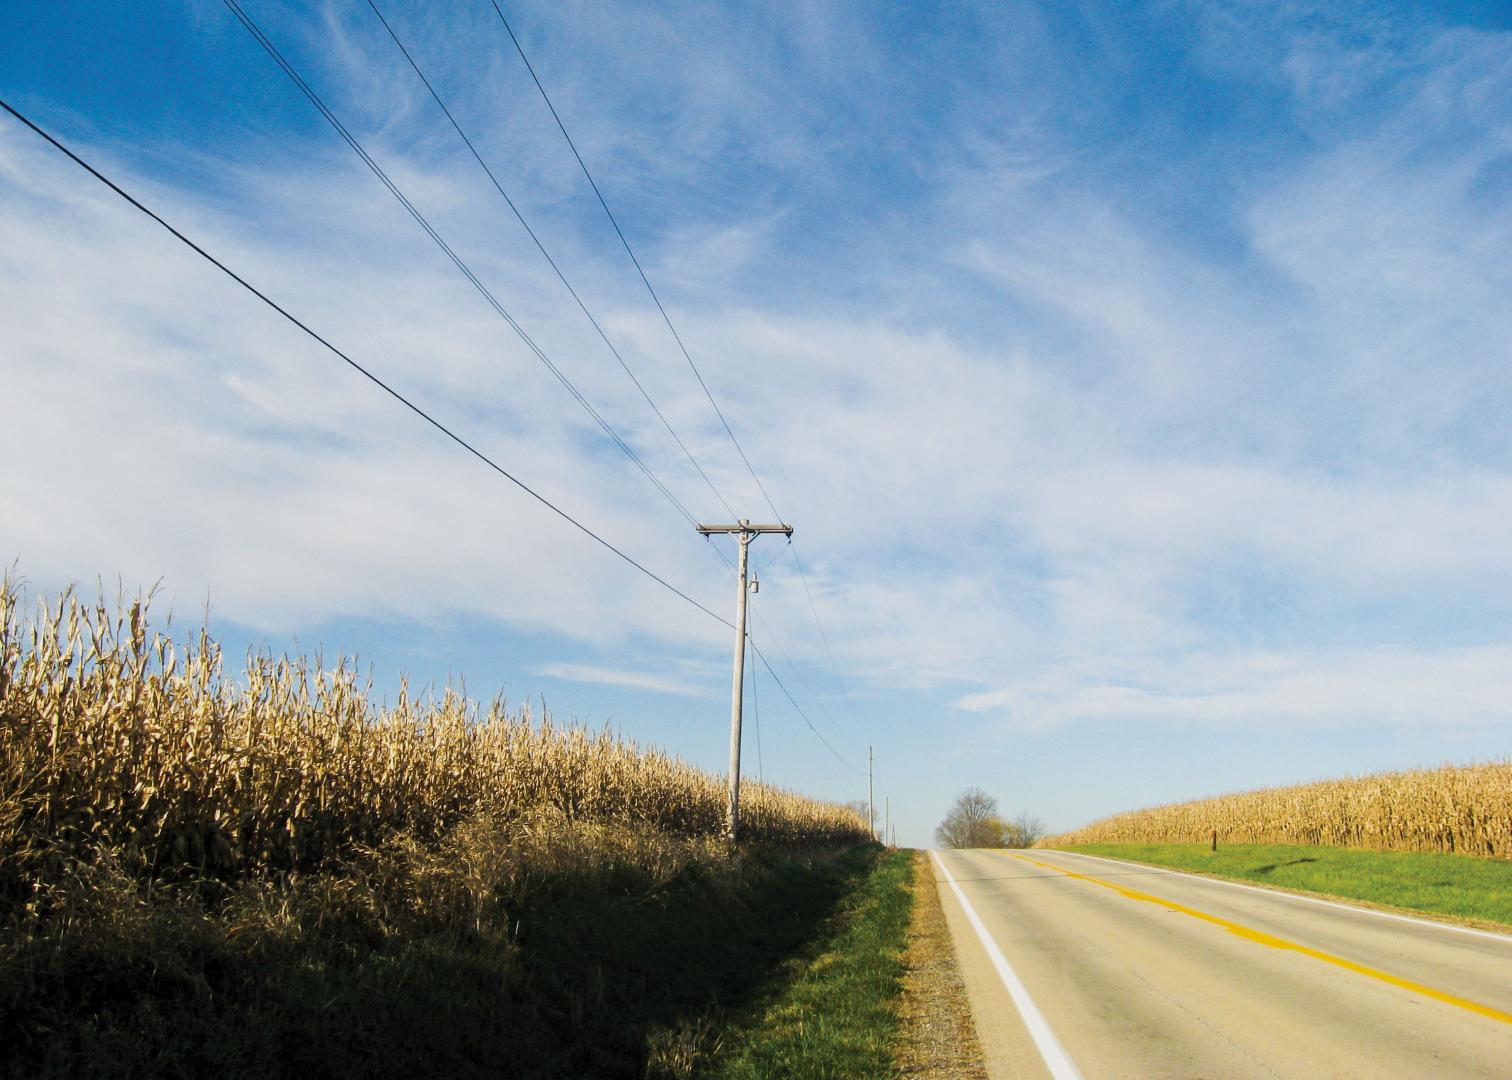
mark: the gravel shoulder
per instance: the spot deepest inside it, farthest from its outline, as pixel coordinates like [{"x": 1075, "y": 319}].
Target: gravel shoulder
[{"x": 939, "y": 1039}]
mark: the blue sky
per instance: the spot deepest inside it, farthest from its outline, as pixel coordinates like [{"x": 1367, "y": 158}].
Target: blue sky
[{"x": 1136, "y": 379}]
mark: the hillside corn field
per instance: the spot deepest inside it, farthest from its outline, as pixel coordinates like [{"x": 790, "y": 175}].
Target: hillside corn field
[
  {"x": 1464, "y": 809},
  {"x": 116, "y": 738}
]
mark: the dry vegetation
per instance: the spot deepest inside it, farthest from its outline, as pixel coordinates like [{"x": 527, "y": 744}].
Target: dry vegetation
[
  {"x": 118, "y": 739},
  {"x": 1465, "y": 809},
  {"x": 181, "y": 848}
]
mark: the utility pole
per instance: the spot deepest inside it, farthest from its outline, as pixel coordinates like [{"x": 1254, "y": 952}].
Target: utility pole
[
  {"x": 871, "y": 807},
  {"x": 886, "y": 818},
  {"x": 745, "y": 532}
]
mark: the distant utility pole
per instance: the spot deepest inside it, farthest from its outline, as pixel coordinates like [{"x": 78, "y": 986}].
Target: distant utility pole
[
  {"x": 746, "y": 532},
  {"x": 886, "y": 817},
  {"x": 871, "y": 806}
]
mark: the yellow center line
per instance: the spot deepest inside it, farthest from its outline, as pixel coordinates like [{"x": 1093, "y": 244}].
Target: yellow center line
[{"x": 1270, "y": 940}]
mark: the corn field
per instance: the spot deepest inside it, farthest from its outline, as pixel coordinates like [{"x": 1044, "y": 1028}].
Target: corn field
[
  {"x": 116, "y": 738},
  {"x": 1455, "y": 808}
]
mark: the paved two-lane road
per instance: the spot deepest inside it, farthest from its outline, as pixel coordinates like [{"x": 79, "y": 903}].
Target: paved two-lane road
[{"x": 1106, "y": 969}]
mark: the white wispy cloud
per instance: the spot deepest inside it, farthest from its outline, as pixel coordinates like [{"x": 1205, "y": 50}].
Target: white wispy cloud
[
  {"x": 635, "y": 680},
  {"x": 1336, "y": 688}
]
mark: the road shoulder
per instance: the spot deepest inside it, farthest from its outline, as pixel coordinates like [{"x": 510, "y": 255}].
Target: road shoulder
[
  {"x": 1008, "y": 1049},
  {"x": 938, "y": 1038}
]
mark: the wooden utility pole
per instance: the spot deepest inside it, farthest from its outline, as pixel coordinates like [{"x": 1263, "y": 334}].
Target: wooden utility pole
[{"x": 746, "y": 532}]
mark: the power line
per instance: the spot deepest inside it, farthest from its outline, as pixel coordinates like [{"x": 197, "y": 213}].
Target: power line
[
  {"x": 799, "y": 709},
  {"x": 356, "y": 146},
  {"x": 461, "y": 265},
  {"x": 351, "y": 140},
  {"x": 562, "y": 127},
  {"x": 798, "y": 671},
  {"x": 359, "y": 368},
  {"x": 756, "y": 716},
  {"x": 682, "y": 347},
  {"x": 783, "y": 654},
  {"x": 412, "y": 407},
  {"x": 314, "y": 99},
  {"x": 844, "y": 690},
  {"x": 553, "y": 263},
  {"x": 638, "y": 268},
  {"x": 781, "y": 552}
]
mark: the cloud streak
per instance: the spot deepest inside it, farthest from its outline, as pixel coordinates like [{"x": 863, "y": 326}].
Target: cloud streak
[{"x": 634, "y": 680}]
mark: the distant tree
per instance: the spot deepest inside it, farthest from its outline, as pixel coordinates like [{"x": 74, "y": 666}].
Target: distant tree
[
  {"x": 1026, "y": 830},
  {"x": 972, "y": 822}
]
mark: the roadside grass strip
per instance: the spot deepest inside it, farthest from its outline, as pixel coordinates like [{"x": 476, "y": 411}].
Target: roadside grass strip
[
  {"x": 1435, "y": 883},
  {"x": 834, "y": 1014},
  {"x": 1260, "y": 937}
]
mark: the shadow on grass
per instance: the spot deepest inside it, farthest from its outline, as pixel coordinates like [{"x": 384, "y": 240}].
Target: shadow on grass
[
  {"x": 1271, "y": 868},
  {"x": 576, "y": 982}
]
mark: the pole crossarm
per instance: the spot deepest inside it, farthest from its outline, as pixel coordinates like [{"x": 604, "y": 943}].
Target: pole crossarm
[{"x": 743, "y": 527}]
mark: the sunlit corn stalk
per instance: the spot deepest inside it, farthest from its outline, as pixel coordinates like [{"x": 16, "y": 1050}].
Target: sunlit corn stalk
[
  {"x": 115, "y": 738},
  {"x": 1454, "y": 808}
]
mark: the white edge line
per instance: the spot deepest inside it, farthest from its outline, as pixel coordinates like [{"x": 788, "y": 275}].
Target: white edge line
[
  {"x": 1056, "y": 1059},
  {"x": 1451, "y": 927}
]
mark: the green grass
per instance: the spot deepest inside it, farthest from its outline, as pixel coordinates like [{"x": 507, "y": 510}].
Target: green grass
[
  {"x": 835, "y": 1015},
  {"x": 1460, "y": 886}
]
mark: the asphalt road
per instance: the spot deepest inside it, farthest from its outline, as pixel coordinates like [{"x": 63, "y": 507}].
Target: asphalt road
[{"x": 1106, "y": 969}]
